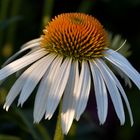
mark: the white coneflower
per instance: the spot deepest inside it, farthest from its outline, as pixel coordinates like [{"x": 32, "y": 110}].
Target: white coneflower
[{"x": 64, "y": 61}]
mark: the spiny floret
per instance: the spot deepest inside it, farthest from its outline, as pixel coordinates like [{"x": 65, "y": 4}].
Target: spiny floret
[{"x": 76, "y": 35}]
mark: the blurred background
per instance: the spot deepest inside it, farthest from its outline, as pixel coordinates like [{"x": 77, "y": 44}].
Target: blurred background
[{"x": 23, "y": 20}]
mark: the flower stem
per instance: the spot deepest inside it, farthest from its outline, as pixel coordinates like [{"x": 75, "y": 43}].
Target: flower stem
[{"x": 58, "y": 131}]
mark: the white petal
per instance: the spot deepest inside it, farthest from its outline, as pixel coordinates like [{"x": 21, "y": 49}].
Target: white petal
[
  {"x": 33, "y": 79},
  {"x": 53, "y": 72},
  {"x": 113, "y": 91},
  {"x": 100, "y": 93},
  {"x": 44, "y": 88},
  {"x": 28, "y": 45},
  {"x": 20, "y": 63},
  {"x": 123, "y": 64},
  {"x": 123, "y": 75},
  {"x": 58, "y": 87},
  {"x": 69, "y": 100},
  {"x": 83, "y": 90},
  {"x": 16, "y": 88},
  {"x": 41, "y": 99},
  {"x": 121, "y": 90}
]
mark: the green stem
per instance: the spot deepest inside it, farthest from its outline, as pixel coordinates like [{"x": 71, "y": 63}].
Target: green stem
[
  {"x": 47, "y": 11},
  {"x": 58, "y": 131}
]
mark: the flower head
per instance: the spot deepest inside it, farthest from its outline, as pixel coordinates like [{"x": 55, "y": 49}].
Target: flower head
[{"x": 65, "y": 62}]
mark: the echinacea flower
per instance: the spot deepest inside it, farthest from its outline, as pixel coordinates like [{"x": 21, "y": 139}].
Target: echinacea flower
[{"x": 64, "y": 62}]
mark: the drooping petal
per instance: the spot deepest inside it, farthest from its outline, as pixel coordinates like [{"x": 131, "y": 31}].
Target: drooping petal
[
  {"x": 113, "y": 91},
  {"x": 53, "y": 72},
  {"x": 41, "y": 98},
  {"x": 33, "y": 79},
  {"x": 29, "y": 45},
  {"x": 123, "y": 64},
  {"x": 123, "y": 75},
  {"x": 58, "y": 87},
  {"x": 69, "y": 99},
  {"x": 16, "y": 88},
  {"x": 83, "y": 90},
  {"x": 100, "y": 93},
  {"x": 21, "y": 63},
  {"x": 44, "y": 88},
  {"x": 120, "y": 89}
]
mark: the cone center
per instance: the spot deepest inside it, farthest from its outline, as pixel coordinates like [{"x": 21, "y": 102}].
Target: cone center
[{"x": 75, "y": 35}]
